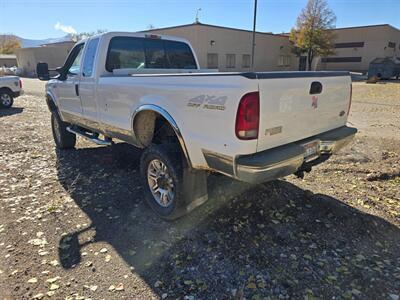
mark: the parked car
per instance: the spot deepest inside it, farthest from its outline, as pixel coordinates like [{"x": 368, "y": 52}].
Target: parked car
[
  {"x": 10, "y": 88},
  {"x": 149, "y": 91}
]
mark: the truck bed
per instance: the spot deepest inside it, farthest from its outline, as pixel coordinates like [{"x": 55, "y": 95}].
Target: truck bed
[{"x": 287, "y": 113}]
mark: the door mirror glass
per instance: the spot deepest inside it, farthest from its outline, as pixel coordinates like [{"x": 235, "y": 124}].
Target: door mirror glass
[{"x": 42, "y": 71}]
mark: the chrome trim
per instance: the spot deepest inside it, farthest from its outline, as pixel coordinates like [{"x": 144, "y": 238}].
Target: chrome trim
[
  {"x": 266, "y": 173},
  {"x": 217, "y": 161},
  {"x": 169, "y": 119},
  {"x": 330, "y": 143}
]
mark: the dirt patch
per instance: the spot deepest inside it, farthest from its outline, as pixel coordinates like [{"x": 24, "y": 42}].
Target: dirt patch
[{"x": 74, "y": 224}]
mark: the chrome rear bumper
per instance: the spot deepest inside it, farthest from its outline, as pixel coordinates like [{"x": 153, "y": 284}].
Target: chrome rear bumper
[
  {"x": 284, "y": 160},
  {"x": 287, "y": 159}
]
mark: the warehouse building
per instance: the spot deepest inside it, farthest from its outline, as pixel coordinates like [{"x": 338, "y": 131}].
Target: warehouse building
[
  {"x": 8, "y": 60},
  {"x": 357, "y": 47},
  {"x": 229, "y": 49},
  {"x": 54, "y": 54}
]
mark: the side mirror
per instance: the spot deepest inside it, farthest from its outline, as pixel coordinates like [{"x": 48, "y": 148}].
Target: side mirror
[{"x": 42, "y": 71}]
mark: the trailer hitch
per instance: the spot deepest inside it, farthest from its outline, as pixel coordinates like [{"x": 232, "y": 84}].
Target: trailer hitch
[{"x": 307, "y": 166}]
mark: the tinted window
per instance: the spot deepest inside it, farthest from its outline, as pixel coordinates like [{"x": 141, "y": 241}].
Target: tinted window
[
  {"x": 136, "y": 53},
  {"x": 340, "y": 59},
  {"x": 155, "y": 54},
  {"x": 89, "y": 58},
  {"x": 349, "y": 45},
  {"x": 125, "y": 53},
  {"x": 179, "y": 55}
]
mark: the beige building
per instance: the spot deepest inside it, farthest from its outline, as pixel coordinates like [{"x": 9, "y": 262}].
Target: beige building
[
  {"x": 356, "y": 47},
  {"x": 229, "y": 49},
  {"x": 54, "y": 54},
  {"x": 8, "y": 60}
]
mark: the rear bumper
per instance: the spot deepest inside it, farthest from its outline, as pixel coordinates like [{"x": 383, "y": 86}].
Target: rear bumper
[{"x": 287, "y": 159}]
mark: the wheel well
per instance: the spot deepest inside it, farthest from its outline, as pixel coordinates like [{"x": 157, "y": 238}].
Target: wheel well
[
  {"x": 50, "y": 103},
  {"x": 6, "y": 89},
  {"x": 152, "y": 128}
]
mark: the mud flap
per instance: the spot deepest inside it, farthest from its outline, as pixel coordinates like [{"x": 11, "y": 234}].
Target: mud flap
[{"x": 194, "y": 188}]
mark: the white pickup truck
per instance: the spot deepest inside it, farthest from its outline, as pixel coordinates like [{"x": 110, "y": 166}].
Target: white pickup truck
[
  {"x": 148, "y": 90},
  {"x": 10, "y": 88}
]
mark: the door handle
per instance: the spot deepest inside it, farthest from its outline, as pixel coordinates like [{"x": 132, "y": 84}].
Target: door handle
[{"x": 77, "y": 89}]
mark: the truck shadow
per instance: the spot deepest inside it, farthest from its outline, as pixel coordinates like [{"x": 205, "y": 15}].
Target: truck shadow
[
  {"x": 4, "y": 112},
  {"x": 275, "y": 236}
]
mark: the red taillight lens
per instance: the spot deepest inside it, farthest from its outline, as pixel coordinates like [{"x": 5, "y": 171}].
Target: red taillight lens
[
  {"x": 351, "y": 96},
  {"x": 248, "y": 117},
  {"x": 20, "y": 83}
]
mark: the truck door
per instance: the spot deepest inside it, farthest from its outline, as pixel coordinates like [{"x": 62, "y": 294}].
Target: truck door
[
  {"x": 87, "y": 84},
  {"x": 68, "y": 89}
]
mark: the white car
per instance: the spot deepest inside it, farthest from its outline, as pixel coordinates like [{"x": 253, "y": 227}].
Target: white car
[
  {"x": 148, "y": 90},
  {"x": 10, "y": 88}
]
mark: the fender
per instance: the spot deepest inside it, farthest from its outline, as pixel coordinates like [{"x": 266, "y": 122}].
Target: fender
[
  {"x": 170, "y": 120},
  {"x": 51, "y": 104}
]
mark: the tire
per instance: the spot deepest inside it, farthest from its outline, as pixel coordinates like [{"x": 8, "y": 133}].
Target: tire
[
  {"x": 63, "y": 138},
  {"x": 6, "y": 99},
  {"x": 169, "y": 205}
]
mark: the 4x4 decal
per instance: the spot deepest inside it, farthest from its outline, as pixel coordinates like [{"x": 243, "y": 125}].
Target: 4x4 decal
[{"x": 208, "y": 102}]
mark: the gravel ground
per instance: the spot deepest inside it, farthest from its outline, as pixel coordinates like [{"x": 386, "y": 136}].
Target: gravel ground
[{"x": 73, "y": 224}]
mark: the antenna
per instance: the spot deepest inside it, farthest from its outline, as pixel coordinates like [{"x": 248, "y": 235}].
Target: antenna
[{"x": 197, "y": 15}]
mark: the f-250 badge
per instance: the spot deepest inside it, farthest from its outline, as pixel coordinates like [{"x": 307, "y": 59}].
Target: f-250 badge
[
  {"x": 208, "y": 102},
  {"x": 314, "y": 103}
]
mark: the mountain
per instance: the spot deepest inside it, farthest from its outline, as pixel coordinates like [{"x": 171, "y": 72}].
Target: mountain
[{"x": 25, "y": 43}]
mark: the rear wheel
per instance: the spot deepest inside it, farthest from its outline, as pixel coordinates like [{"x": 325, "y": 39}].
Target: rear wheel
[
  {"x": 6, "y": 99},
  {"x": 63, "y": 138},
  {"x": 161, "y": 173}
]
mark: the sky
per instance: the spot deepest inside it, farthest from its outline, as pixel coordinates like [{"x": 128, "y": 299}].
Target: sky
[{"x": 40, "y": 19}]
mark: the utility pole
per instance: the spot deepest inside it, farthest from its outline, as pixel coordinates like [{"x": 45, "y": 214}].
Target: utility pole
[{"x": 254, "y": 35}]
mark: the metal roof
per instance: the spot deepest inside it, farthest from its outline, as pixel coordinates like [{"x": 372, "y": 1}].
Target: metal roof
[{"x": 209, "y": 25}]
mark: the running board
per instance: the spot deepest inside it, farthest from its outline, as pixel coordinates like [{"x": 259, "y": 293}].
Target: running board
[{"x": 91, "y": 137}]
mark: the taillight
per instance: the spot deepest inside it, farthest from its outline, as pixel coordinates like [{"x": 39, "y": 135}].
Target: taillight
[
  {"x": 351, "y": 96},
  {"x": 20, "y": 83},
  {"x": 248, "y": 117}
]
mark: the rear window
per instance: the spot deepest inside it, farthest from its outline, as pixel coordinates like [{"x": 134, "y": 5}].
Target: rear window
[{"x": 137, "y": 53}]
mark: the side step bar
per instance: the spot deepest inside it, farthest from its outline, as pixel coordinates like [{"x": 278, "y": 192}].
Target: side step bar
[{"x": 93, "y": 137}]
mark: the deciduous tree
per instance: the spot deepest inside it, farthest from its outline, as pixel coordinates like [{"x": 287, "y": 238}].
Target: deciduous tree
[
  {"x": 8, "y": 44},
  {"x": 313, "y": 33}
]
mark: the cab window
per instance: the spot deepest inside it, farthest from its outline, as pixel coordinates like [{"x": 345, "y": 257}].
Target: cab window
[
  {"x": 137, "y": 53},
  {"x": 73, "y": 64}
]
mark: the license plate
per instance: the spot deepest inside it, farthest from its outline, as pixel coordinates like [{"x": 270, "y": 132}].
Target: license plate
[{"x": 311, "y": 150}]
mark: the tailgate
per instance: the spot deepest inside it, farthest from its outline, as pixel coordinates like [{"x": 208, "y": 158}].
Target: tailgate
[{"x": 294, "y": 108}]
